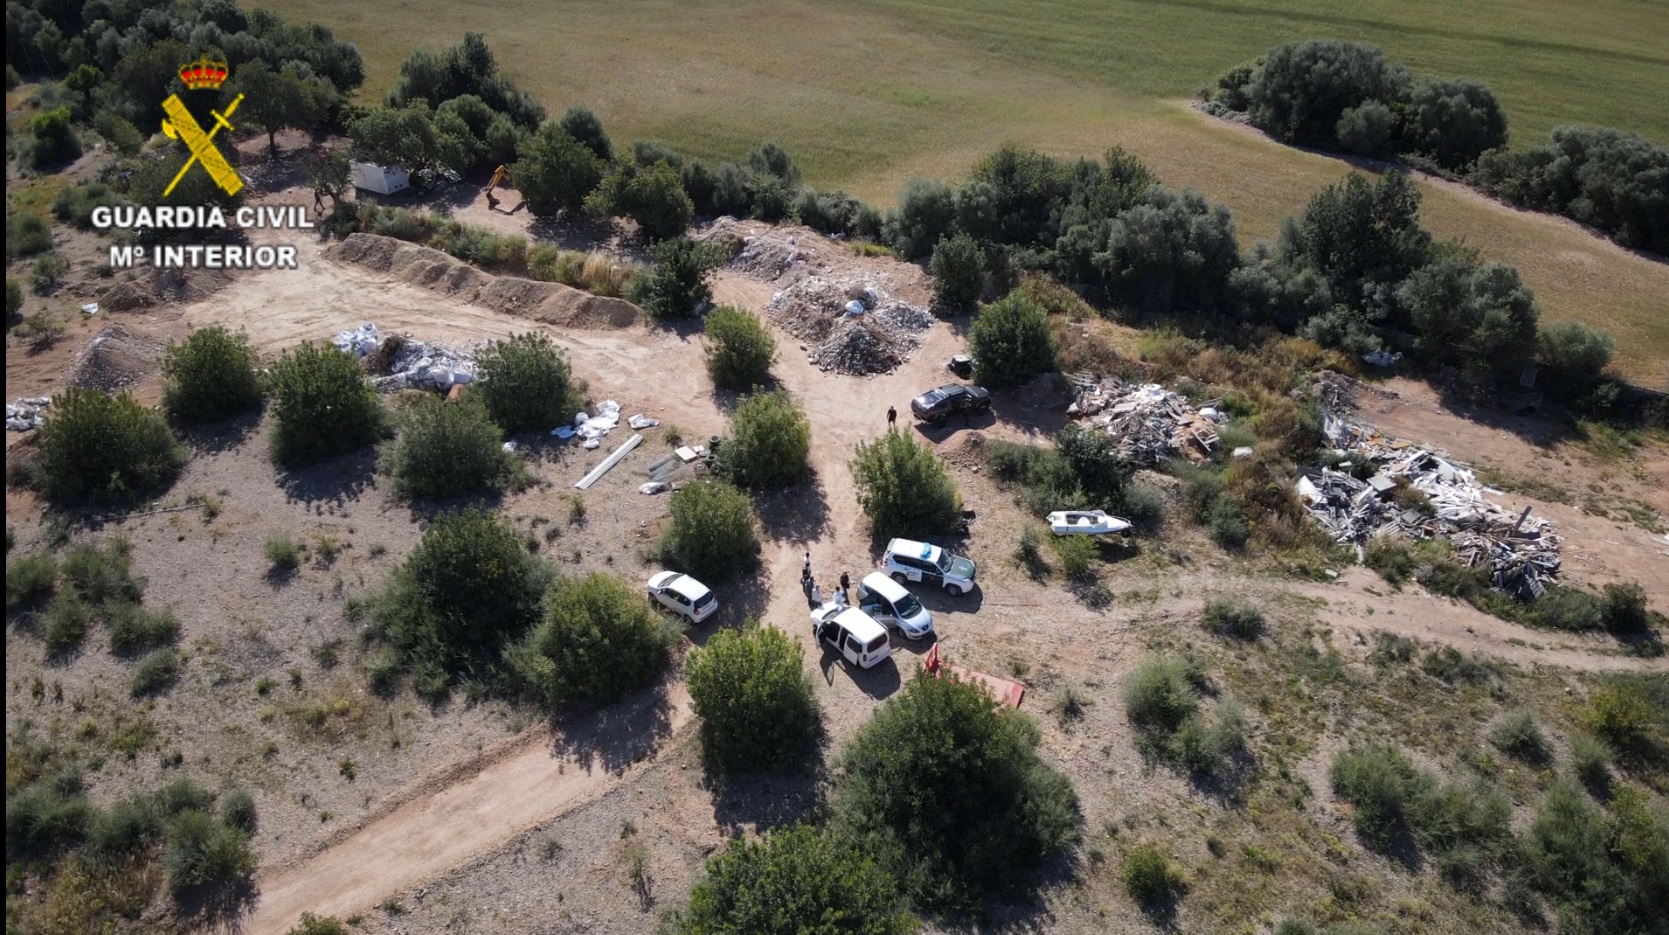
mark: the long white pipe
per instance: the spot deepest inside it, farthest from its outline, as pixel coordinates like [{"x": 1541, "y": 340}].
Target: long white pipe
[{"x": 608, "y": 462}]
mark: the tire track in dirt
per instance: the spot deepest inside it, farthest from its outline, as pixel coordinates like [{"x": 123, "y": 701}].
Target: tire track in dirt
[{"x": 428, "y": 836}]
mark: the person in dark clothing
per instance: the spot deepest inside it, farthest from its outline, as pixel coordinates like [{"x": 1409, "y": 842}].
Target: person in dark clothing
[
  {"x": 892, "y": 417},
  {"x": 805, "y": 585},
  {"x": 845, "y": 583},
  {"x": 805, "y": 571}
]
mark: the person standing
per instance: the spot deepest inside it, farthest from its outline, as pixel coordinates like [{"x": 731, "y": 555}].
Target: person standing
[
  {"x": 816, "y": 595},
  {"x": 806, "y": 586},
  {"x": 845, "y": 582},
  {"x": 805, "y": 570},
  {"x": 892, "y": 417}
]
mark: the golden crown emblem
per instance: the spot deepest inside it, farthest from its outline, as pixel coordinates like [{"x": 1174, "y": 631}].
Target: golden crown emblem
[{"x": 204, "y": 74}]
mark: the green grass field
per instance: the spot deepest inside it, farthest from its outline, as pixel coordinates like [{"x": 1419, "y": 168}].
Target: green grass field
[{"x": 867, "y": 94}]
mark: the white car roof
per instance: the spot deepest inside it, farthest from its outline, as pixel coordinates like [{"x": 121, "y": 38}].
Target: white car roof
[
  {"x": 861, "y": 625},
  {"x": 683, "y": 584},
  {"x": 877, "y": 583},
  {"x": 913, "y": 549}
]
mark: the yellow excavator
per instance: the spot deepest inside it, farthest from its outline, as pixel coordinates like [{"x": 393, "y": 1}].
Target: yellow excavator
[{"x": 500, "y": 176}]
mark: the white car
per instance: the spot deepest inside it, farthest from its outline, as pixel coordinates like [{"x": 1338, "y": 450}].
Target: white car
[
  {"x": 851, "y": 633},
  {"x": 1086, "y": 522},
  {"x": 908, "y": 560},
  {"x": 683, "y": 595},
  {"x": 890, "y": 603}
]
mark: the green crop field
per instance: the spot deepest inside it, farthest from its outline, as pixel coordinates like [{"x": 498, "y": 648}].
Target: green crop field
[{"x": 867, "y": 94}]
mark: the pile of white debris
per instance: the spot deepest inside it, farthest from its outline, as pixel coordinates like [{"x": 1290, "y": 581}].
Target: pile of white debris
[{"x": 27, "y": 413}]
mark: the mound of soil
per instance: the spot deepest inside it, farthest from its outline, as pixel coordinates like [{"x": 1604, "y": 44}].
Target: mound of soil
[
  {"x": 549, "y": 302},
  {"x": 115, "y": 359}
]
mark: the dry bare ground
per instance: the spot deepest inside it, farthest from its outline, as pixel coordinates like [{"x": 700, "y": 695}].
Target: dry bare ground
[{"x": 515, "y": 826}]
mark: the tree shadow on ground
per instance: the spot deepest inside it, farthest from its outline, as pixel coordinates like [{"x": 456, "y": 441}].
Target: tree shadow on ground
[
  {"x": 618, "y": 735},
  {"x": 1524, "y": 415},
  {"x": 334, "y": 480},
  {"x": 224, "y": 436},
  {"x": 797, "y": 514},
  {"x": 425, "y": 510},
  {"x": 1025, "y": 913},
  {"x": 744, "y": 598},
  {"x": 762, "y": 801},
  {"x": 880, "y": 682},
  {"x": 219, "y": 907}
]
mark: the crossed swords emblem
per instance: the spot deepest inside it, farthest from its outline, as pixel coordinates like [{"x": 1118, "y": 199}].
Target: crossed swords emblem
[{"x": 180, "y": 125}]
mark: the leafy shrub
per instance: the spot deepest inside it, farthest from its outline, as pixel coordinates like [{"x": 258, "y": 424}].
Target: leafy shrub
[
  {"x": 949, "y": 796},
  {"x": 1454, "y": 121},
  {"x": 770, "y": 440},
  {"x": 322, "y": 406},
  {"x": 678, "y": 282},
  {"x": 1576, "y": 352},
  {"x": 1623, "y": 607},
  {"x": 202, "y": 852},
  {"x": 583, "y": 125},
  {"x": 926, "y": 213},
  {"x": 1029, "y": 554},
  {"x": 99, "y": 448},
  {"x": 64, "y": 624},
  {"x": 1599, "y": 176},
  {"x": 211, "y": 376},
  {"x": 74, "y": 204},
  {"x": 958, "y": 268},
  {"x": 237, "y": 810},
  {"x": 791, "y": 881},
  {"x": 756, "y": 703},
  {"x": 45, "y": 818},
  {"x": 1629, "y": 717},
  {"x": 48, "y": 271},
  {"x": 1518, "y": 735},
  {"x": 556, "y": 170},
  {"x": 1149, "y": 877},
  {"x": 1449, "y": 664},
  {"x": 31, "y": 580},
  {"x": 1383, "y": 786},
  {"x": 739, "y": 349},
  {"x": 126, "y": 827},
  {"x": 598, "y": 640},
  {"x": 467, "y": 590},
  {"x": 14, "y": 300},
  {"x": 1566, "y": 608},
  {"x": 526, "y": 383},
  {"x": 311, "y": 924},
  {"x": 1227, "y": 616},
  {"x": 55, "y": 139},
  {"x": 1302, "y": 89},
  {"x": 1599, "y": 886},
  {"x": 1079, "y": 556},
  {"x": 102, "y": 572},
  {"x": 283, "y": 552},
  {"x": 135, "y": 629},
  {"x": 1101, "y": 470},
  {"x": 1159, "y": 695},
  {"x": 119, "y": 132},
  {"x": 156, "y": 672},
  {"x": 446, "y": 449},
  {"x": 1172, "y": 251},
  {"x": 1010, "y": 341},
  {"x": 1366, "y": 129},
  {"x": 653, "y": 196},
  {"x": 904, "y": 488},
  {"x": 1226, "y": 522},
  {"x": 27, "y": 235},
  {"x": 713, "y": 534},
  {"x": 1591, "y": 760}
]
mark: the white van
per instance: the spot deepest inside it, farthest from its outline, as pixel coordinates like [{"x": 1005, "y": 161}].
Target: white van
[
  {"x": 851, "y": 633},
  {"x": 892, "y": 604}
]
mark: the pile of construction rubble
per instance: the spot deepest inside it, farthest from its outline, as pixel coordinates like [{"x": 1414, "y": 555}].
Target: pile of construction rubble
[
  {"x": 398, "y": 362},
  {"x": 1147, "y": 422},
  {"x": 849, "y": 327},
  {"x": 1521, "y": 551},
  {"x": 27, "y": 413}
]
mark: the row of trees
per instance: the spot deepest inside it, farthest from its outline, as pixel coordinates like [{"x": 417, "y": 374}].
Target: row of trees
[{"x": 1348, "y": 97}]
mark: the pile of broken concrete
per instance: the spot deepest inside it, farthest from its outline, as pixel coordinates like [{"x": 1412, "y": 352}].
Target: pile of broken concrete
[
  {"x": 1520, "y": 550},
  {"x": 1147, "y": 422}
]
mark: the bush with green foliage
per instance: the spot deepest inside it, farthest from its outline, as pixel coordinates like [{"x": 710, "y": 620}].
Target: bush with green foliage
[
  {"x": 769, "y": 443},
  {"x": 31, "y": 580},
  {"x": 1384, "y": 787},
  {"x": 447, "y": 448},
  {"x": 926, "y": 213},
  {"x": 713, "y": 534},
  {"x": 74, "y": 204},
  {"x": 598, "y": 639},
  {"x": 555, "y": 170},
  {"x": 1598, "y": 176},
  {"x": 1162, "y": 701},
  {"x": 679, "y": 281},
  {"x": 1149, "y": 877},
  {"x": 322, "y": 406},
  {"x": 237, "y": 809},
  {"x": 135, "y": 629},
  {"x": 1483, "y": 317},
  {"x": 119, "y": 132},
  {"x": 739, "y": 349},
  {"x": 1080, "y": 557},
  {"x": 1603, "y": 872},
  {"x": 1623, "y": 607},
  {"x": 203, "y": 853},
  {"x": 55, "y": 139},
  {"x": 1631, "y": 714},
  {"x": 156, "y": 672},
  {"x": 1591, "y": 761},
  {"x": 958, "y": 269},
  {"x": 211, "y": 376},
  {"x": 525, "y": 382},
  {"x": 904, "y": 488},
  {"x": 583, "y": 125},
  {"x": 101, "y": 448},
  {"x": 1576, "y": 353},
  {"x": 1453, "y": 121},
  {"x": 1011, "y": 342},
  {"x": 466, "y": 591},
  {"x": 1228, "y": 616},
  {"x": 654, "y": 197},
  {"x": 468, "y": 68},
  {"x": 756, "y": 705},
  {"x": 794, "y": 881},
  {"x": 945, "y": 790},
  {"x": 311, "y": 924},
  {"x": 1519, "y": 736},
  {"x": 1171, "y": 251},
  {"x": 27, "y": 235},
  {"x": 1302, "y": 90},
  {"x": 14, "y": 300},
  {"x": 47, "y": 817}
]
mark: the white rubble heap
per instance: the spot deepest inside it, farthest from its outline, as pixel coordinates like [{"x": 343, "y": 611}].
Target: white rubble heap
[
  {"x": 410, "y": 363},
  {"x": 850, "y": 326},
  {"x": 1147, "y": 422},
  {"x": 27, "y": 413},
  {"x": 1521, "y": 550}
]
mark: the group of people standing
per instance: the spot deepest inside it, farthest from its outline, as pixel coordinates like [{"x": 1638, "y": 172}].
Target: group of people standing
[{"x": 814, "y": 594}]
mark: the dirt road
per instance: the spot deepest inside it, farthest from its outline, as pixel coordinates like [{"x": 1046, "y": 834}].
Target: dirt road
[{"x": 429, "y": 835}]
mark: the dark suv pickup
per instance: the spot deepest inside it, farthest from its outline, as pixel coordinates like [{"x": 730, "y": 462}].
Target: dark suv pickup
[{"x": 936, "y": 406}]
